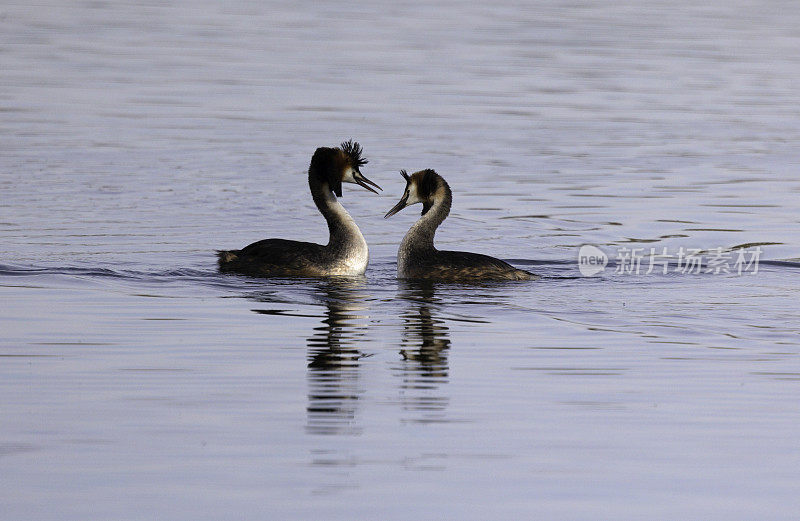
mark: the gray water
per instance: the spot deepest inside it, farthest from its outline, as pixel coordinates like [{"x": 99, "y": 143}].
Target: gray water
[{"x": 138, "y": 383}]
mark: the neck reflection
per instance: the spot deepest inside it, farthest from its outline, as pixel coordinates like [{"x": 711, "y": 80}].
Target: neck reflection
[
  {"x": 334, "y": 372},
  {"x": 424, "y": 348}
]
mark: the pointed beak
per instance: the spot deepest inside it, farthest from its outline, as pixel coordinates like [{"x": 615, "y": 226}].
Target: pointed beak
[
  {"x": 363, "y": 181},
  {"x": 399, "y": 206}
]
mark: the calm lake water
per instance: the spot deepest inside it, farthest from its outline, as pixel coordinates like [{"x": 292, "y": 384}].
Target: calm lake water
[{"x": 138, "y": 383}]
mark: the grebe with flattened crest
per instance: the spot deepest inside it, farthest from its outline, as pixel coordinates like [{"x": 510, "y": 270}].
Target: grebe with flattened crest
[
  {"x": 417, "y": 257},
  {"x": 346, "y": 253}
]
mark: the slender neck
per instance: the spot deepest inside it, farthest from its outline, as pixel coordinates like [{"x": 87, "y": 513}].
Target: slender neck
[
  {"x": 420, "y": 236},
  {"x": 344, "y": 233}
]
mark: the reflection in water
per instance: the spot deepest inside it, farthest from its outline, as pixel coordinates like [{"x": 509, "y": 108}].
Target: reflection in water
[
  {"x": 424, "y": 349},
  {"x": 333, "y": 368}
]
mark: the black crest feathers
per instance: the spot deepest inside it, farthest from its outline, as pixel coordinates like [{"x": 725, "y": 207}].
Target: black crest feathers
[
  {"x": 353, "y": 151},
  {"x": 427, "y": 183}
]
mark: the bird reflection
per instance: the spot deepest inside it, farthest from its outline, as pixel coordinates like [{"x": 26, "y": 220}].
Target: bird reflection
[
  {"x": 334, "y": 385},
  {"x": 424, "y": 348}
]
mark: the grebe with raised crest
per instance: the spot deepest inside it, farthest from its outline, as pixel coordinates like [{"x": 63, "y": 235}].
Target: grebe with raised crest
[
  {"x": 346, "y": 253},
  {"x": 417, "y": 257}
]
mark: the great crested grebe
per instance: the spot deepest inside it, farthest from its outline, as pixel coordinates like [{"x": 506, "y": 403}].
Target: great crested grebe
[
  {"x": 346, "y": 253},
  {"x": 417, "y": 258}
]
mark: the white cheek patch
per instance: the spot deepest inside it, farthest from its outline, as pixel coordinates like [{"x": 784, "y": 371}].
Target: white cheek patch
[
  {"x": 348, "y": 176},
  {"x": 413, "y": 197}
]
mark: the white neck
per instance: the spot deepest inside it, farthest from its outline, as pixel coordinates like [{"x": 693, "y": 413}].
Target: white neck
[{"x": 346, "y": 242}]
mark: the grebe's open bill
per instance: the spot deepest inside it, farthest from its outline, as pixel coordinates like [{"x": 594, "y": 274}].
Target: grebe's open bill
[{"x": 363, "y": 181}]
